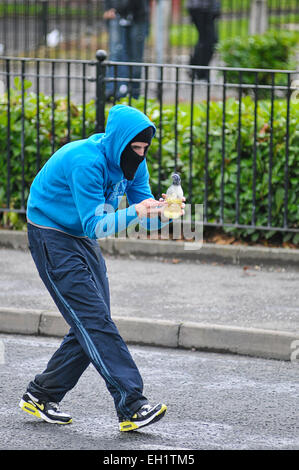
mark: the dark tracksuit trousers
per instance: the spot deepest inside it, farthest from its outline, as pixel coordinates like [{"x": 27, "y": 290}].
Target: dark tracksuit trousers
[{"x": 74, "y": 272}]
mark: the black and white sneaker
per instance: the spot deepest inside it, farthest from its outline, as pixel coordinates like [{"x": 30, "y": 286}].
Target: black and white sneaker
[
  {"x": 46, "y": 410},
  {"x": 146, "y": 415}
]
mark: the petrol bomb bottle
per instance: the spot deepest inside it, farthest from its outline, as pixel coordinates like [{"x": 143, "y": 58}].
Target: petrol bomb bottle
[{"x": 174, "y": 196}]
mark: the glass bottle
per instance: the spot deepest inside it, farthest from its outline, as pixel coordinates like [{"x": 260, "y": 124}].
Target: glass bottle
[{"x": 174, "y": 196}]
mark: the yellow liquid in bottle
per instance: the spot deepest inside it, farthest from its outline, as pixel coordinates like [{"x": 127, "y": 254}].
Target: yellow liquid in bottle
[{"x": 173, "y": 211}]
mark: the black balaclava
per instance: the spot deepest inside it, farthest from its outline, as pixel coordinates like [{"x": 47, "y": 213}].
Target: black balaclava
[{"x": 130, "y": 160}]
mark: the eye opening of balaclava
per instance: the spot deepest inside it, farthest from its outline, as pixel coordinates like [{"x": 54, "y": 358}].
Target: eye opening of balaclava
[{"x": 130, "y": 160}]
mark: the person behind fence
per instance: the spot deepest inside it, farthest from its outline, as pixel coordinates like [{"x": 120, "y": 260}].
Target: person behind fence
[
  {"x": 204, "y": 14},
  {"x": 128, "y": 27},
  {"x": 73, "y": 202}
]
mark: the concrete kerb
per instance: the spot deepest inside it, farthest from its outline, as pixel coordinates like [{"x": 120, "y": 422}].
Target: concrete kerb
[
  {"x": 226, "y": 254},
  {"x": 231, "y": 254},
  {"x": 268, "y": 344}
]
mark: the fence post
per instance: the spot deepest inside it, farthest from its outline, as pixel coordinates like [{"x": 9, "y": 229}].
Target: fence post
[
  {"x": 258, "y": 21},
  {"x": 162, "y": 17},
  {"x": 101, "y": 56}
]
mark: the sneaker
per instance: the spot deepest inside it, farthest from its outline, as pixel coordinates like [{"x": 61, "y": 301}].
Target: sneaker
[
  {"x": 143, "y": 417},
  {"x": 46, "y": 410}
]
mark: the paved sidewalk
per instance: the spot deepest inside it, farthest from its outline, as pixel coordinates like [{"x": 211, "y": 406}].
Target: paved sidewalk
[{"x": 172, "y": 302}]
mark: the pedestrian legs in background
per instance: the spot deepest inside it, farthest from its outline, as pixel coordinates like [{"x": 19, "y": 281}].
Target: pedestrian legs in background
[
  {"x": 126, "y": 44},
  {"x": 206, "y": 25},
  {"x": 133, "y": 39},
  {"x": 116, "y": 54}
]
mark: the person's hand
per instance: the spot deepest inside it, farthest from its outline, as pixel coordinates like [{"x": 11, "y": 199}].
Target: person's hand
[
  {"x": 150, "y": 207},
  {"x": 109, "y": 14},
  {"x": 163, "y": 198}
]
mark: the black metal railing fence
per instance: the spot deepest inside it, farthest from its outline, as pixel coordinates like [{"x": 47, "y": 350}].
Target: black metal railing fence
[{"x": 234, "y": 140}]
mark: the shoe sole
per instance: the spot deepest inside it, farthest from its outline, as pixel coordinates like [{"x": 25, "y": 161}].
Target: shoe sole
[
  {"x": 31, "y": 409},
  {"x": 126, "y": 426}
]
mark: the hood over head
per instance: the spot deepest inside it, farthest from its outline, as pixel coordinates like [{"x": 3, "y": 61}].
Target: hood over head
[
  {"x": 130, "y": 159},
  {"x": 123, "y": 125}
]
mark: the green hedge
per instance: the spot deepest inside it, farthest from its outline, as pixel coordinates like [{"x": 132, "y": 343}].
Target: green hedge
[
  {"x": 271, "y": 50},
  {"x": 215, "y": 162},
  {"x": 230, "y": 163},
  {"x": 30, "y": 135}
]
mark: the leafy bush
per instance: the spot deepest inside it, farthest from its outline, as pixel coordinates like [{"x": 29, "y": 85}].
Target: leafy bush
[
  {"x": 228, "y": 180},
  {"x": 272, "y": 50},
  {"x": 222, "y": 170},
  {"x": 12, "y": 170}
]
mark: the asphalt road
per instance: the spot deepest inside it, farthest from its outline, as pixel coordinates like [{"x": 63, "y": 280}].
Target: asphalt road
[
  {"x": 215, "y": 402},
  {"x": 172, "y": 290}
]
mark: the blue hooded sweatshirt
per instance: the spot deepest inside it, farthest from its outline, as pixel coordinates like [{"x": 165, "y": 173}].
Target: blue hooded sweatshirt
[{"x": 80, "y": 187}]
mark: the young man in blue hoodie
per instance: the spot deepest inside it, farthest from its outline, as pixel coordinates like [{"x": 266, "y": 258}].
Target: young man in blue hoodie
[{"x": 73, "y": 201}]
